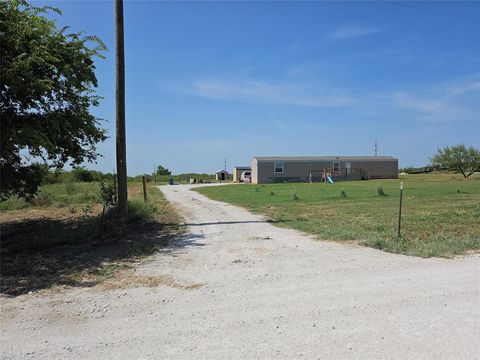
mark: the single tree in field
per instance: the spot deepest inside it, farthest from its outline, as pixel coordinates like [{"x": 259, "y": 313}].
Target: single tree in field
[
  {"x": 458, "y": 158},
  {"x": 47, "y": 83},
  {"x": 163, "y": 171}
]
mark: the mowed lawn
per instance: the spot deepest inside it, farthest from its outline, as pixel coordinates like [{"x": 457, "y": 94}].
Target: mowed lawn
[{"x": 441, "y": 212}]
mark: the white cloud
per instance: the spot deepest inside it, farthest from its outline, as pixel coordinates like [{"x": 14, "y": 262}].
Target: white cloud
[
  {"x": 448, "y": 101},
  {"x": 422, "y": 105},
  {"x": 352, "y": 32},
  {"x": 259, "y": 91},
  {"x": 466, "y": 87},
  {"x": 442, "y": 103}
]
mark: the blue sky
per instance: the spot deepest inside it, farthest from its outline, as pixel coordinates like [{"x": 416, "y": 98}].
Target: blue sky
[{"x": 208, "y": 81}]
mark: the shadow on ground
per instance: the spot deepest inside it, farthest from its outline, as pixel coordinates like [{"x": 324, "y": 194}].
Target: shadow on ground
[
  {"x": 41, "y": 253},
  {"x": 236, "y": 222}
]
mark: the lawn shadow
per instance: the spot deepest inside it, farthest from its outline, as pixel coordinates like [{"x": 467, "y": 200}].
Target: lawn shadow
[
  {"x": 40, "y": 253},
  {"x": 235, "y": 222}
]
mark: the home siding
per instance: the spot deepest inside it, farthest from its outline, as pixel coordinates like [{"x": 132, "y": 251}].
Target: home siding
[
  {"x": 385, "y": 169},
  {"x": 299, "y": 171}
]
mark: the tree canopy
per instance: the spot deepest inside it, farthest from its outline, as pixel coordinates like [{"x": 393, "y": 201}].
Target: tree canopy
[
  {"x": 163, "y": 171},
  {"x": 47, "y": 87},
  {"x": 458, "y": 158}
]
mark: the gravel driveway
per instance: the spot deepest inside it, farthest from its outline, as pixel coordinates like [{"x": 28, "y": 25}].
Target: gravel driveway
[{"x": 239, "y": 287}]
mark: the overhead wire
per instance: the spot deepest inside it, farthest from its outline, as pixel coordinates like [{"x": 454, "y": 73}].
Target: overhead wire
[{"x": 409, "y": 5}]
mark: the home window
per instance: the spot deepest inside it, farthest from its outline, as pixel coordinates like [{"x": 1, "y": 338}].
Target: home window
[
  {"x": 278, "y": 167},
  {"x": 336, "y": 166}
]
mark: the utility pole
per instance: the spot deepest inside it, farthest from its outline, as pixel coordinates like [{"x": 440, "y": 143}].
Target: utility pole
[
  {"x": 225, "y": 164},
  {"x": 375, "y": 149},
  {"x": 120, "y": 109}
]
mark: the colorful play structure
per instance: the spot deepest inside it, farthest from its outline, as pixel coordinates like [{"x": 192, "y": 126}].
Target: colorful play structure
[{"x": 325, "y": 176}]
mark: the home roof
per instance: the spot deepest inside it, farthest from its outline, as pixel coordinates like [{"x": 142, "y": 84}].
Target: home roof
[
  {"x": 242, "y": 167},
  {"x": 221, "y": 171},
  {"x": 323, "y": 158}
]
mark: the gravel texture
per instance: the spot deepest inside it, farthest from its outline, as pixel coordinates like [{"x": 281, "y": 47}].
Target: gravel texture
[{"x": 238, "y": 287}]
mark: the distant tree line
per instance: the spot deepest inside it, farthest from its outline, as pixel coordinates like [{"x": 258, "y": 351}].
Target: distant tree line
[{"x": 47, "y": 175}]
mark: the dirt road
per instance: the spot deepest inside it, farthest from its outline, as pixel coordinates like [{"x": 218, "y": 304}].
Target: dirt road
[{"x": 239, "y": 287}]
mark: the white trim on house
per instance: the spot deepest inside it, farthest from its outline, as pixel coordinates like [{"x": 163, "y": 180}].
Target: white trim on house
[
  {"x": 281, "y": 163},
  {"x": 338, "y": 166}
]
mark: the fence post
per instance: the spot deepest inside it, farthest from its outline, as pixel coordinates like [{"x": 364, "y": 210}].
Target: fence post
[
  {"x": 400, "y": 211},
  {"x": 145, "y": 188}
]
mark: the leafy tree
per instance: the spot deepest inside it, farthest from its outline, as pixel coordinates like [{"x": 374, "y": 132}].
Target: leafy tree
[
  {"x": 83, "y": 175},
  {"x": 47, "y": 90},
  {"x": 163, "y": 171},
  {"x": 458, "y": 158}
]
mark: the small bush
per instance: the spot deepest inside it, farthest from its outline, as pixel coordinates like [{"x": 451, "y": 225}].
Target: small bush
[
  {"x": 107, "y": 194},
  {"x": 272, "y": 193},
  {"x": 13, "y": 203},
  {"x": 138, "y": 210},
  {"x": 42, "y": 199},
  {"x": 380, "y": 191},
  {"x": 257, "y": 189},
  {"x": 343, "y": 194},
  {"x": 295, "y": 197}
]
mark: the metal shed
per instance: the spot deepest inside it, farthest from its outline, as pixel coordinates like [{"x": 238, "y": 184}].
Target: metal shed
[{"x": 221, "y": 175}]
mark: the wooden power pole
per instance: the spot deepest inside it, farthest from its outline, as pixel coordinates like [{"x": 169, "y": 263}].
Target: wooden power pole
[{"x": 120, "y": 119}]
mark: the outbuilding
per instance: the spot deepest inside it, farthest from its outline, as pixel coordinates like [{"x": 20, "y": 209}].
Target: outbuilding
[
  {"x": 316, "y": 168},
  {"x": 237, "y": 172},
  {"x": 221, "y": 175}
]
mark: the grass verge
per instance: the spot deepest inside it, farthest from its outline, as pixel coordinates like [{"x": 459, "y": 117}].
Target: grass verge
[
  {"x": 51, "y": 246},
  {"x": 441, "y": 212}
]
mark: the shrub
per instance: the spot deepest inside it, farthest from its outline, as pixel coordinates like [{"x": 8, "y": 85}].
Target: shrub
[
  {"x": 380, "y": 191},
  {"x": 272, "y": 193},
  {"x": 107, "y": 194},
  {"x": 82, "y": 174},
  {"x": 42, "y": 199},
  {"x": 138, "y": 210},
  {"x": 343, "y": 194},
  {"x": 295, "y": 197},
  {"x": 13, "y": 203},
  {"x": 257, "y": 189}
]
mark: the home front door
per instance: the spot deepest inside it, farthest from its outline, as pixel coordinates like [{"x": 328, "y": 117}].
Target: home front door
[{"x": 348, "y": 168}]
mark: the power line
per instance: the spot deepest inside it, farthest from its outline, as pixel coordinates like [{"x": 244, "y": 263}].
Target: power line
[{"x": 428, "y": 10}]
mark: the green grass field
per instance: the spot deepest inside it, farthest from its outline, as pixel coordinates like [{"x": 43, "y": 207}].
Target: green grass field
[{"x": 441, "y": 213}]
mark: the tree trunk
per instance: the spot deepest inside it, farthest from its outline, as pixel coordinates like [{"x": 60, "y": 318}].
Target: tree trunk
[{"x": 120, "y": 104}]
